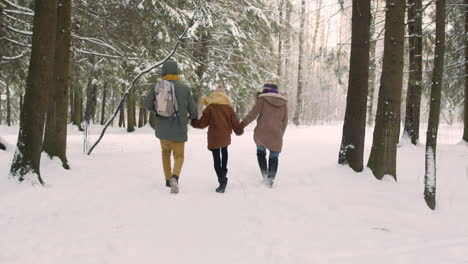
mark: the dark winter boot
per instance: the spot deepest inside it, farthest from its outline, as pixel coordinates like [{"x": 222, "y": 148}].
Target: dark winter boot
[
  {"x": 174, "y": 182},
  {"x": 168, "y": 184},
  {"x": 223, "y": 180},
  {"x": 262, "y": 163},
  {"x": 272, "y": 169}
]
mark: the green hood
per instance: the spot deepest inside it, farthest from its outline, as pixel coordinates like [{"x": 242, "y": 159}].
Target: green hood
[{"x": 170, "y": 67}]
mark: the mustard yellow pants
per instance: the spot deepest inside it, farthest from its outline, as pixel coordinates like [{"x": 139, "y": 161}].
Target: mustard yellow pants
[{"x": 177, "y": 149}]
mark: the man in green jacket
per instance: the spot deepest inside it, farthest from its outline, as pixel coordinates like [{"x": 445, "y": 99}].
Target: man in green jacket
[{"x": 172, "y": 131}]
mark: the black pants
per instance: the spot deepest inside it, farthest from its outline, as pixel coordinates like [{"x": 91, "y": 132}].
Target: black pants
[{"x": 220, "y": 160}]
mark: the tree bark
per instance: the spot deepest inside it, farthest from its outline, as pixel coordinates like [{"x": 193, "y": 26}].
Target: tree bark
[
  {"x": 465, "y": 133},
  {"x": 55, "y": 139},
  {"x": 372, "y": 67},
  {"x": 91, "y": 93},
  {"x": 201, "y": 57},
  {"x": 40, "y": 77},
  {"x": 413, "y": 97},
  {"x": 122, "y": 112},
  {"x": 77, "y": 118},
  {"x": 354, "y": 127},
  {"x": 279, "y": 70},
  {"x": 152, "y": 119},
  {"x": 298, "y": 111},
  {"x": 434, "y": 111},
  {"x": 383, "y": 154},
  {"x": 141, "y": 117},
  {"x": 103, "y": 107},
  {"x": 8, "y": 106},
  {"x": 131, "y": 115}
]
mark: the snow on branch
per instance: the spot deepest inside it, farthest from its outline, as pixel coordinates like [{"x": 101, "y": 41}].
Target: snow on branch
[
  {"x": 19, "y": 31},
  {"x": 18, "y": 12},
  {"x": 17, "y": 43},
  {"x": 100, "y": 43},
  {"x": 146, "y": 70},
  {"x": 13, "y": 58},
  {"x": 22, "y": 8}
]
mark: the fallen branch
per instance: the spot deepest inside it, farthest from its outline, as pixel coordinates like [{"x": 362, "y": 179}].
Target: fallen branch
[{"x": 148, "y": 69}]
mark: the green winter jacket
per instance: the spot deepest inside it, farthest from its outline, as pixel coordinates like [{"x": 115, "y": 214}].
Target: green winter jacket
[{"x": 173, "y": 128}]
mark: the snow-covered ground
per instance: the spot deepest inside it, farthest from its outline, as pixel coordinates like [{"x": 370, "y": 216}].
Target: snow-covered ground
[{"x": 112, "y": 206}]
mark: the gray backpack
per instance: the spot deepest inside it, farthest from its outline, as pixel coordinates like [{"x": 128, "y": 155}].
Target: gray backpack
[{"x": 165, "y": 102}]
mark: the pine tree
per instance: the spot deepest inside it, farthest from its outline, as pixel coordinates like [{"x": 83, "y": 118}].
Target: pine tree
[
  {"x": 40, "y": 77},
  {"x": 354, "y": 127},
  {"x": 298, "y": 111},
  {"x": 465, "y": 133},
  {"x": 55, "y": 139},
  {"x": 434, "y": 112},
  {"x": 383, "y": 154},
  {"x": 413, "y": 97}
]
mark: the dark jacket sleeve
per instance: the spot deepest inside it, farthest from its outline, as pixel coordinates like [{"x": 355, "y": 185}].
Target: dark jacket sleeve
[
  {"x": 148, "y": 102},
  {"x": 236, "y": 125},
  {"x": 191, "y": 106},
  {"x": 253, "y": 114},
  {"x": 204, "y": 121}
]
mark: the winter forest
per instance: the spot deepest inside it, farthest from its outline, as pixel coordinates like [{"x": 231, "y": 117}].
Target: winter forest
[{"x": 374, "y": 160}]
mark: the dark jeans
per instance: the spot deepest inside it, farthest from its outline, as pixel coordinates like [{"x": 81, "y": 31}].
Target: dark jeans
[{"x": 220, "y": 160}]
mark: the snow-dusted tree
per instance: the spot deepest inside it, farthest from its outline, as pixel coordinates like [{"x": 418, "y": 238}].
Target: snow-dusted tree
[
  {"x": 383, "y": 154},
  {"x": 298, "y": 111},
  {"x": 55, "y": 138},
  {"x": 434, "y": 112},
  {"x": 354, "y": 127},
  {"x": 465, "y": 110},
  {"x": 41, "y": 72},
  {"x": 413, "y": 95}
]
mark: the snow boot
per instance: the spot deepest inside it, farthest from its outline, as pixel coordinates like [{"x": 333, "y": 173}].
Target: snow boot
[
  {"x": 272, "y": 169},
  {"x": 262, "y": 163},
  {"x": 174, "y": 182},
  {"x": 223, "y": 180},
  {"x": 168, "y": 184}
]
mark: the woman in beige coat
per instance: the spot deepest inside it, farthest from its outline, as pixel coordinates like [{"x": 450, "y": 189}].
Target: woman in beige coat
[{"x": 271, "y": 112}]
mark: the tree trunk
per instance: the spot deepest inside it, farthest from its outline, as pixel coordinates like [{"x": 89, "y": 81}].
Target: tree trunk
[
  {"x": 383, "y": 154},
  {"x": 55, "y": 140},
  {"x": 201, "y": 57},
  {"x": 287, "y": 45},
  {"x": 77, "y": 118},
  {"x": 91, "y": 93},
  {"x": 354, "y": 127},
  {"x": 413, "y": 97},
  {"x": 122, "y": 111},
  {"x": 40, "y": 77},
  {"x": 280, "y": 42},
  {"x": 131, "y": 115},
  {"x": 298, "y": 111},
  {"x": 8, "y": 106},
  {"x": 372, "y": 67},
  {"x": 145, "y": 117},
  {"x": 434, "y": 111},
  {"x": 465, "y": 133},
  {"x": 103, "y": 107},
  {"x": 141, "y": 117},
  {"x": 21, "y": 103}
]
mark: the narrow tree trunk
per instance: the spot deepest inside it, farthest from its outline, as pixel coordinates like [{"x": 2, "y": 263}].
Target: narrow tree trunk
[
  {"x": 372, "y": 67},
  {"x": 287, "y": 44},
  {"x": 103, "y": 107},
  {"x": 413, "y": 97},
  {"x": 122, "y": 112},
  {"x": 465, "y": 133},
  {"x": 21, "y": 103},
  {"x": 131, "y": 115},
  {"x": 434, "y": 111},
  {"x": 298, "y": 111},
  {"x": 91, "y": 93},
  {"x": 77, "y": 118},
  {"x": 354, "y": 127},
  {"x": 145, "y": 117},
  {"x": 71, "y": 105},
  {"x": 201, "y": 57},
  {"x": 141, "y": 117},
  {"x": 280, "y": 41},
  {"x": 8, "y": 106},
  {"x": 383, "y": 154},
  {"x": 55, "y": 140},
  {"x": 40, "y": 77}
]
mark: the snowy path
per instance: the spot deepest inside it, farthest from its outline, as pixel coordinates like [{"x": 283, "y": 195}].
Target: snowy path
[{"x": 113, "y": 208}]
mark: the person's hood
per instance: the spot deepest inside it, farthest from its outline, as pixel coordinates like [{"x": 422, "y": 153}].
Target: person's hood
[
  {"x": 219, "y": 98},
  {"x": 274, "y": 99},
  {"x": 170, "y": 67}
]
